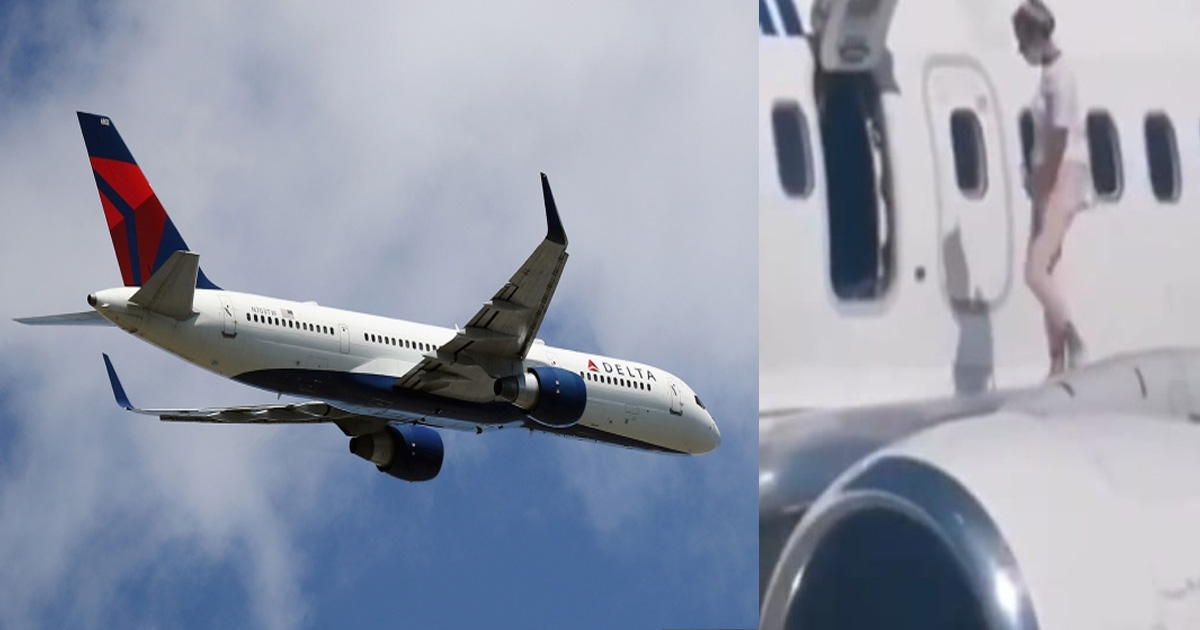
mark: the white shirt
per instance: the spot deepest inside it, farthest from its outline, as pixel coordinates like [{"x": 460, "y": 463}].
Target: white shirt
[{"x": 1056, "y": 106}]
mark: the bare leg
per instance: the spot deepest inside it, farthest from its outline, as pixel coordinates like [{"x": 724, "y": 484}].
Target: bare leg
[
  {"x": 1045, "y": 251},
  {"x": 1057, "y": 341}
]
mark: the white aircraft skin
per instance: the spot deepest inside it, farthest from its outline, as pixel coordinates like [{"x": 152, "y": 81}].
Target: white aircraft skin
[
  {"x": 384, "y": 382},
  {"x": 619, "y": 414},
  {"x": 908, "y": 430},
  {"x": 1122, "y": 271}
]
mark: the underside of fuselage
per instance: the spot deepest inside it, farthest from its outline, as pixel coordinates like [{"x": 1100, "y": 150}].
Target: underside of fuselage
[{"x": 374, "y": 395}]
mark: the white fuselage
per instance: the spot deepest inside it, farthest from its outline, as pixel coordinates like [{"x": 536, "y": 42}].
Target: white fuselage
[
  {"x": 352, "y": 359},
  {"x": 948, "y": 312}
]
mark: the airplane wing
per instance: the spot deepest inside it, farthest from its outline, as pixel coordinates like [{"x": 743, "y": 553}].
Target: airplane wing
[
  {"x": 291, "y": 413},
  {"x": 498, "y": 337}
]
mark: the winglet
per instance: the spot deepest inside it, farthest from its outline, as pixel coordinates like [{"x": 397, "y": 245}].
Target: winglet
[
  {"x": 554, "y": 227},
  {"x": 118, "y": 391}
]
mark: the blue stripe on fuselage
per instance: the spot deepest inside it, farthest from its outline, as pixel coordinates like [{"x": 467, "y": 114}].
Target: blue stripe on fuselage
[
  {"x": 765, "y": 25},
  {"x": 375, "y": 390},
  {"x": 369, "y": 390},
  {"x": 792, "y": 24}
]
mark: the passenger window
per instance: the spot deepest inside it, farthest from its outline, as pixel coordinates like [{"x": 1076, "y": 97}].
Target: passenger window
[
  {"x": 1163, "y": 157},
  {"x": 970, "y": 161},
  {"x": 1026, "y": 130},
  {"x": 1104, "y": 148},
  {"x": 793, "y": 151}
]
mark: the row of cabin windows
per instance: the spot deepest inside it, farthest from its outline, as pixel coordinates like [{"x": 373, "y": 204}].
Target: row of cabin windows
[
  {"x": 793, "y": 152},
  {"x": 399, "y": 343},
  {"x": 1104, "y": 148},
  {"x": 289, "y": 323},
  {"x": 613, "y": 380}
]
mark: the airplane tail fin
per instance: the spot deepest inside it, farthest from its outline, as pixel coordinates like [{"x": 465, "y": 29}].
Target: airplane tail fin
[{"x": 142, "y": 234}]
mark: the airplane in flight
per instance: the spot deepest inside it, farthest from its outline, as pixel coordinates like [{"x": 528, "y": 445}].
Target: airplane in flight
[
  {"x": 386, "y": 383},
  {"x": 916, "y": 467}
]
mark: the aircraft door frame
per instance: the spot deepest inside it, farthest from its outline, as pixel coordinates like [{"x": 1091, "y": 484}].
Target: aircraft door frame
[
  {"x": 344, "y": 338},
  {"x": 975, "y": 229},
  {"x": 676, "y": 398},
  {"x": 229, "y": 315}
]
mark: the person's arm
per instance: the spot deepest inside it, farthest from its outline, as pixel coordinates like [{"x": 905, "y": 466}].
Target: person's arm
[
  {"x": 1054, "y": 146},
  {"x": 1062, "y": 110}
]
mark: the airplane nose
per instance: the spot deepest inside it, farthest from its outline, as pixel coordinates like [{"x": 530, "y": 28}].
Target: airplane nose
[{"x": 707, "y": 436}]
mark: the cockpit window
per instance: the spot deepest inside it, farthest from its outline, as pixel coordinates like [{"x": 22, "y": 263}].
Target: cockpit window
[{"x": 698, "y": 402}]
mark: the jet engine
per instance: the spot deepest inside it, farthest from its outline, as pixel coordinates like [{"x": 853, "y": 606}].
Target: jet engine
[
  {"x": 408, "y": 451},
  {"x": 552, "y": 396},
  {"x": 1009, "y": 520}
]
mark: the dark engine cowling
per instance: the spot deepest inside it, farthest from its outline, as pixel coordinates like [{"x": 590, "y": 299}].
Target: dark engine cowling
[
  {"x": 408, "y": 451},
  {"x": 552, "y": 396}
]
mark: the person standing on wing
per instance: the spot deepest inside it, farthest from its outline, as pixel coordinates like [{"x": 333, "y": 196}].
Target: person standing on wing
[{"x": 1059, "y": 175}]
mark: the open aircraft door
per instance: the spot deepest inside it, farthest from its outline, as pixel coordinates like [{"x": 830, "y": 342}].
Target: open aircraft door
[{"x": 852, "y": 33}]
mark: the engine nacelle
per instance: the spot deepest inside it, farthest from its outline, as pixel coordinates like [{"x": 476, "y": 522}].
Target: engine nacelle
[
  {"x": 408, "y": 451},
  {"x": 1005, "y": 521},
  {"x": 552, "y": 396}
]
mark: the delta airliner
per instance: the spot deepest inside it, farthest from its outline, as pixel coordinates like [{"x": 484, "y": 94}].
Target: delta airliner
[{"x": 386, "y": 383}]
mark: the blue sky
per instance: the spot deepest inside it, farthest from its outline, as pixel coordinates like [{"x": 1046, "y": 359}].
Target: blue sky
[{"x": 381, "y": 157}]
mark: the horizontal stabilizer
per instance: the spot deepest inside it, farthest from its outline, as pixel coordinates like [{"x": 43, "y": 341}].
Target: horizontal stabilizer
[
  {"x": 86, "y": 318},
  {"x": 172, "y": 288}
]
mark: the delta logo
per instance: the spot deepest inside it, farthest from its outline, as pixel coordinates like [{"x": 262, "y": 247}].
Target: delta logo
[{"x": 621, "y": 370}]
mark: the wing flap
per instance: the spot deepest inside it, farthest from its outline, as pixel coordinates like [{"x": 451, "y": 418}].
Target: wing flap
[{"x": 290, "y": 413}]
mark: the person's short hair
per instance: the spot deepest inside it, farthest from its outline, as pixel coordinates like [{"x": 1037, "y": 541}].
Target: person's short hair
[{"x": 1033, "y": 16}]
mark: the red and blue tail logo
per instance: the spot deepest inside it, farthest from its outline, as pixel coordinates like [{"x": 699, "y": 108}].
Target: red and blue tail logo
[{"x": 142, "y": 233}]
